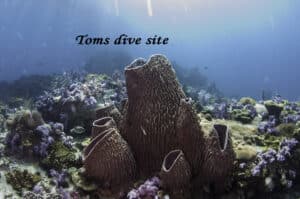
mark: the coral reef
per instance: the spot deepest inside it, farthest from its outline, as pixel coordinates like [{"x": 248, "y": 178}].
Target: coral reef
[
  {"x": 89, "y": 141},
  {"x": 242, "y": 111},
  {"x": 30, "y": 135},
  {"x": 73, "y": 103}
]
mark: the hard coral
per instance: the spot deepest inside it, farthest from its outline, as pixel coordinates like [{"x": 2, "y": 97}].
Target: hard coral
[{"x": 158, "y": 118}]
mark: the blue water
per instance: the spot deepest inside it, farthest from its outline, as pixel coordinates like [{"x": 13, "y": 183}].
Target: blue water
[{"x": 244, "y": 46}]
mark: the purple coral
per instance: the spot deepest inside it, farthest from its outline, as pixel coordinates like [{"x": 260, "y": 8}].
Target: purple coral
[
  {"x": 14, "y": 142},
  {"x": 148, "y": 189},
  {"x": 277, "y": 99},
  {"x": 221, "y": 111},
  {"x": 268, "y": 126},
  {"x": 291, "y": 118},
  {"x": 38, "y": 189},
  {"x": 60, "y": 178},
  {"x": 78, "y": 95},
  {"x": 285, "y": 149},
  {"x": 90, "y": 102},
  {"x": 264, "y": 159},
  {"x": 43, "y": 131},
  {"x": 270, "y": 156},
  {"x": 251, "y": 109},
  {"x": 292, "y": 174}
]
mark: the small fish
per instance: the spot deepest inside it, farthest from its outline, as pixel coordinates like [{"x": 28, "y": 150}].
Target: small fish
[{"x": 205, "y": 67}]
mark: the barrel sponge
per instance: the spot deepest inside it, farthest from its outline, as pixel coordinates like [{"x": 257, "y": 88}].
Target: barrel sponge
[
  {"x": 190, "y": 135},
  {"x": 108, "y": 159},
  {"x": 154, "y": 96},
  {"x": 101, "y": 125},
  {"x": 159, "y": 127},
  {"x": 109, "y": 110},
  {"x": 219, "y": 158},
  {"x": 175, "y": 172}
]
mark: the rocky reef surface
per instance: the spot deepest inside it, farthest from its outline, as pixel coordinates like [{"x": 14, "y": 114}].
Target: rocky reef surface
[{"x": 144, "y": 136}]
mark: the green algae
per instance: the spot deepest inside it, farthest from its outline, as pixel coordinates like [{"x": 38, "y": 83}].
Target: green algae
[
  {"x": 247, "y": 100},
  {"x": 22, "y": 179},
  {"x": 274, "y": 108},
  {"x": 286, "y": 129},
  {"x": 60, "y": 157},
  {"x": 25, "y": 119},
  {"x": 241, "y": 115},
  {"x": 245, "y": 152},
  {"x": 80, "y": 181}
]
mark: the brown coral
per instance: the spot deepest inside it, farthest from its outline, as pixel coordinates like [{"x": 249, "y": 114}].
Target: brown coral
[
  {"x": 158, "y": 119},
  {"x": 108, "y": 159}
]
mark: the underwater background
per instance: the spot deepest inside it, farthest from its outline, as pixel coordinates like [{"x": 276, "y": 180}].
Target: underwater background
[
  {"x": 214, "y": 113},
  {"x": 254, "y": 44}
]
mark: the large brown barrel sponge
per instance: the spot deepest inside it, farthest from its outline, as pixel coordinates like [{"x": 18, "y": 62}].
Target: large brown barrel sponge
[
  {"x": 190, "y": 136},
  {"x": 101, "y": 125},
  {"x": 109, "y": 110},
  {"x": 219, "y": 158},
  {"x": 108, "y": 159},
  {"x": 149, "y": 122},
  {"x": 175, "y": 172}
]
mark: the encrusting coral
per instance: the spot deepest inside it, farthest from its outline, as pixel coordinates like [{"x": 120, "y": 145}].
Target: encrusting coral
[{"x": 158, "y": 119}]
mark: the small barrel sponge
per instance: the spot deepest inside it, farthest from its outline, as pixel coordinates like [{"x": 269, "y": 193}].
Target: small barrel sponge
[
  {"x": 219, "y": 158},
  {"x": 101, "y": 125},
  {"x": 175, "y": 172},
  {"x": 109, "y": 111},
  {"x": 149, "y": 122},
  {"x": 108, "y": 159}
]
